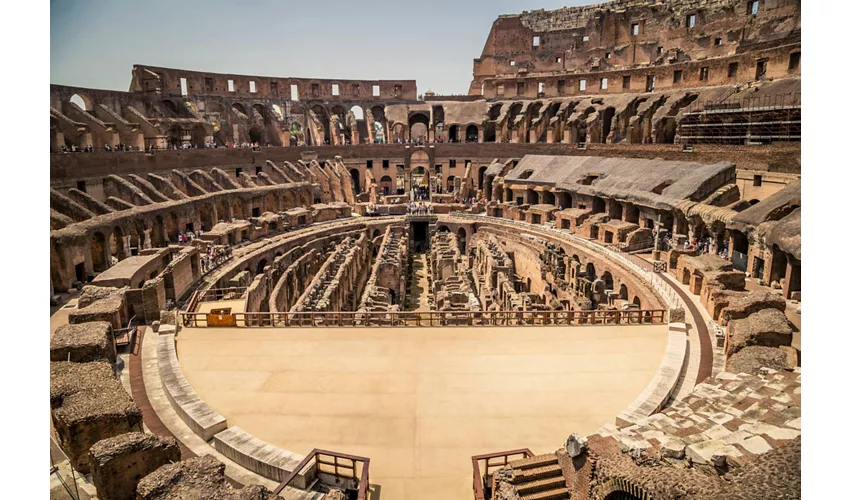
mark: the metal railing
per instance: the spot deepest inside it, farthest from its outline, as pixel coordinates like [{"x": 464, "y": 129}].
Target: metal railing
[
  {"x": 434, "y": 318},
  {"x": 212, "y": 295},
  {"x": 492, "y": 461},
  {"x": 343, "y": 466}
]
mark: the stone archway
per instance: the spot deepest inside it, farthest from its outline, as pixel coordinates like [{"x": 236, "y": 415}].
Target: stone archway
[{"x": 355, "y": 180}]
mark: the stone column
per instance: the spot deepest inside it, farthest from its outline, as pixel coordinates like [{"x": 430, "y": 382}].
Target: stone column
[
  {"x": 147, "y": 239},
  {"x": 125, "y": 249}
]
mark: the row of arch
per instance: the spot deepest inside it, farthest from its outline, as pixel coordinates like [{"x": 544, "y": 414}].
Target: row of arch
[{"x": 102, "y": 246}]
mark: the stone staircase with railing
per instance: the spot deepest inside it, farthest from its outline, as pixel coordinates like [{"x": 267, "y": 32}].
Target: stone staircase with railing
[{"x": 537, "y": 478}]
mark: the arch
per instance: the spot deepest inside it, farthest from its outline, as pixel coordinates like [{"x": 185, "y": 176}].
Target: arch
[
  {"x": 278, "y": 112},
  {"x": 472, "y": 133},
  {"x": 590, "y": 271},
  {"x": 418, "y": 124},
  {"x": 636, "y": 301},
  {"x": 99, "y": 259},
  {"x": 607, "y": 118},
  {"x": 324, "y": 120},
  {"x": 778, "y": 264},
  {"x": 256, "y": 134},
  {"x": 261, "y": 110},
  {"x": 632, "y": 213},
  {"x": 399, "y": 132},
  {"x": 237, "y": 210},
  {"x": 339, "y": 111},
  {"x": 481, "y": 172},
  {"x": 453, "y": 133},
  {"x": 171, "y": 106},
  {"x": 461, "y": 240},
  {"x": 117, "y": 248},
  {"x": 608, "y": 280},
  {"x": 358, "y": 112},
  {"x": 665, "y": 131},
  {"x": 548, "y": 198},
  {"x": 378, "y": 113},
  {"x": 624, "y": 292},
  {"x": 240, "y": 108},
  {"x": 207, "y": 219},
  {"x": 81, "y": 100},
  {"x": 386, "y": 184},
  {"x": 443, "y": 229},
  {"x": 598, "y": 205},
  {"x": 355, "y": 180},
  {"x": 616, "y": 211},
  {"x": 260, "y": 265},
  {"x": 494, "y": 111},
  {"x": 621, "y": 495}
]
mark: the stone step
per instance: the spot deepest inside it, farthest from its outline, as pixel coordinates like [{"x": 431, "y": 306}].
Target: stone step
[
  {"x": 537, "y": 473},
  {"x": 540, "y": 485},
  {"x": 539, "y": 460},
  {"x": 555, "y": 494}
]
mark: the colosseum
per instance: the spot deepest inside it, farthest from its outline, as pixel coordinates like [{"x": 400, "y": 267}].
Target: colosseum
[{"x": 580, "y": 280}]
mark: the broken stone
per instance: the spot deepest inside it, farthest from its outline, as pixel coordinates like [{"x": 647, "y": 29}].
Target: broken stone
[{"x": 575, "y": 445}]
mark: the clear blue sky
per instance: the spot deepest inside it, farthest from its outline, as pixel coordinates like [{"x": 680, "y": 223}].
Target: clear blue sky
[{"x": 94, "y": 43}]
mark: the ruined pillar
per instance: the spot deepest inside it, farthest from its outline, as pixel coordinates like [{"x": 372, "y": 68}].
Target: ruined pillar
[
  {"x": 146, "y": 239},
  {"x": 118, "y": 463}
]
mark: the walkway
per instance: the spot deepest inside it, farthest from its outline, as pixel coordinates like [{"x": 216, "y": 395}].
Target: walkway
[{"x": 417, "y": 298}]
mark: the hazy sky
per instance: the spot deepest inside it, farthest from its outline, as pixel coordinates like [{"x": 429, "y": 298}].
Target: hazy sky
[{"x": 94, "y": 43}]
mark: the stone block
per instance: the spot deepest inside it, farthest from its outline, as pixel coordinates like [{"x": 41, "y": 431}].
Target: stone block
[
  {"x": 88, "y": 404},
  {"x": 756, "y": 445},
  {"x": 752, "y": 359},
  {"x": 702, "y": 452},
  {"x": 120, "y": 462},
  {"x": 196, "y": 478},
  {"x": 767, "y": 327},
  {"x": 673, "y": 448},
  {"x": 84, "y": 342}
]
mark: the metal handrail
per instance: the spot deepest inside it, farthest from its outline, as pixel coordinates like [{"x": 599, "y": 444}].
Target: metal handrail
[
  {"x": 478, "y": 480},
  {"x": 317, "y": 454},
  {"x": 435, "y": 318}
]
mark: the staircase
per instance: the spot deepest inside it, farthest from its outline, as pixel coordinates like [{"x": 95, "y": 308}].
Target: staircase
[{"x": 539, "y": 478}]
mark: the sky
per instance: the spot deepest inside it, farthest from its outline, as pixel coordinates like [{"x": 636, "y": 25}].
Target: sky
[{"x": 94, "y": 43}]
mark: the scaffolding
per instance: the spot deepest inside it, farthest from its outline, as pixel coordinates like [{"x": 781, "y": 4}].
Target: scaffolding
[{"x": 748, "y": 121}]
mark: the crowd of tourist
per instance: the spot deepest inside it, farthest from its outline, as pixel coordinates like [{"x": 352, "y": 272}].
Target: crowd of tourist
[
  {"x": 90, "y": 148},
  {"x": 418, "y": 208},
  {"x": 213, "y": 256},
  {"x": 421, "y": 193},
  {"x": 188, "y": 236}
]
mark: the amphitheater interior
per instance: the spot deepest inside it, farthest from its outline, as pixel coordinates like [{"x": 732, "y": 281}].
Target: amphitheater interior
[{"x": 581, "y": 280}]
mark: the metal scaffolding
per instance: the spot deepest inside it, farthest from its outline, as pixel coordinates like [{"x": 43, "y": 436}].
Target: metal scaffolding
[{"x": 751, "y": 120}]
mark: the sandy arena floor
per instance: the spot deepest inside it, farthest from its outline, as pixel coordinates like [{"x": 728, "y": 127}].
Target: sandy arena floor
[{"x": 420, "y": 401}]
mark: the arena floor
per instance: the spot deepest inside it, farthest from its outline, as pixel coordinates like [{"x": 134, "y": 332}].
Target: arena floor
[{"x": 420, "y": 401}]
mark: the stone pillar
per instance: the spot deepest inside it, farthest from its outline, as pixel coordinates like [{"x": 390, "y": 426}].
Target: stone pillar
[
  {"x": 120, "y": 462},
  {"x": 125, "y": 249},
  {"x": 147, "y": 239}
]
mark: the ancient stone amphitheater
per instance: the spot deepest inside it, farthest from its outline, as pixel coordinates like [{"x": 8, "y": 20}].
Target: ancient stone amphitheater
[{"x": 581, "y": 280}]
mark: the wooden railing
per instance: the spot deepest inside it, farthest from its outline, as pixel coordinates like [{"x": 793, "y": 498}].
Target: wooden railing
[
  {"x": 437, "y": 318},
  {"x": 492, "y": 461},
  {"x": 340, "y": 466}
]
